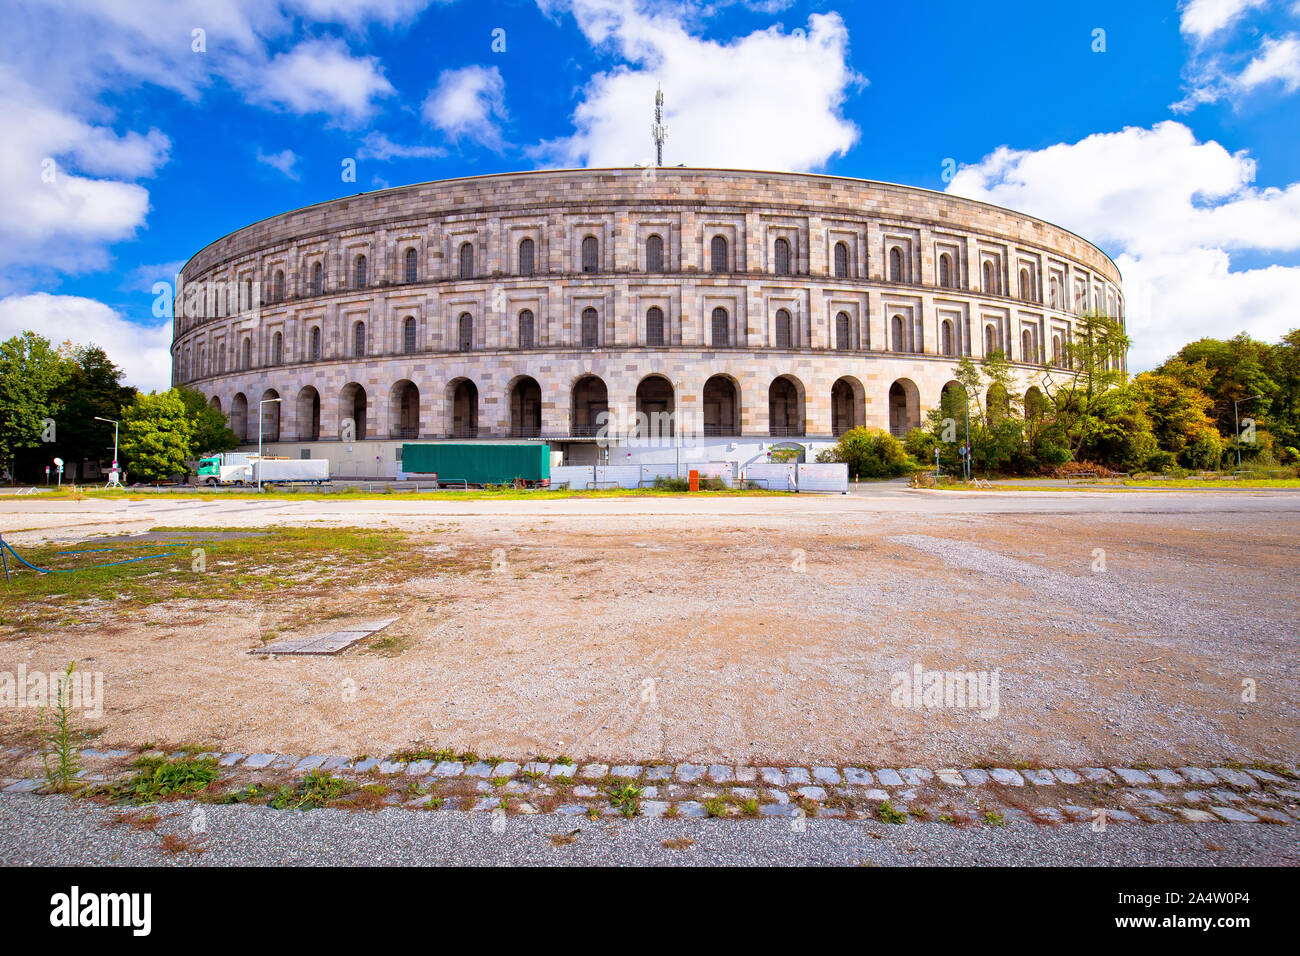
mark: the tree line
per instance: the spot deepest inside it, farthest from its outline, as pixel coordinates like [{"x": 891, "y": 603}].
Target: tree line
[
  {"x": 1212, "y": 403},
  {"x": 51, "y": 400}
]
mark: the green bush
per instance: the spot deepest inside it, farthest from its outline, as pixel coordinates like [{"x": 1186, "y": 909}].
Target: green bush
[
  {"x": 664, "y": 483},
  {"x": 869, "y": 453}
]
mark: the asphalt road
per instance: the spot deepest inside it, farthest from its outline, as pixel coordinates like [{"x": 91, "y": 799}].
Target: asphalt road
[{"x": 44, "y": 831}]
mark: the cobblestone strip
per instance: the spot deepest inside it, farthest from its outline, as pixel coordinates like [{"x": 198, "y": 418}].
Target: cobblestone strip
[{"x": 988, "y": 796}]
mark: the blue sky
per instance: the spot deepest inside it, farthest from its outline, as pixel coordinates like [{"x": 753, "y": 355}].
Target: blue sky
[{"x": 1166, "y": 132}]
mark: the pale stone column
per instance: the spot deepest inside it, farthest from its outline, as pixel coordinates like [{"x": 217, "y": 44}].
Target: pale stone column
[{"x": 557, "y": 403}]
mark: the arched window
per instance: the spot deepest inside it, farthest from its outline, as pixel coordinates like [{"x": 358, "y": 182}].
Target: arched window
[
  {"x": 590, "y": 330},
  {"x": 467, "y": 260},
  {"x": 277, "y": 349},
  {"x": 781, "y": 257},
  {"x": 895, "y": 264},
  {"x": 782, "y": 327},
  {"x": 1056, "y": 351},
  {"x": 1026, "y": 285},
  {"x": 317, "y": 278},
  {"x": 1027, "y": 346},
  {"x": 590, "y": 254},
  {"x": 654, "y": 326},
  {"x": 527, "y": 339},
  {"x": 843, "y": 331},
  {"x": 359, "y": 272},
  {"x": 359, "y": 339},
  {"x": 990, "y": 340},
  {"x": 718, "y": 254},
  {"x": 314, "y": 349},
  {"x": 412, "y": 265},
  {"x": 898, "y": 334},
  {"x": 654, "y": 254},
  {"x": 246, "y": 290},
  {"x": 945, "y": 338},
  {"x": 990, "y": 282},
  {"x": 945, "y": 271},
  {"x": 246, "y": 354},
  {"x": 841, "y": 260},
  {"x": 1054, "y": 293},
  {"x": 721, "y": 328},
  {"x": 526, "y": 249},
  {"x": 221, "y": 357},
  {"x": 465, "y": 332},
  {"x": 408, "y": 334},
  {"x": 277, "y": 285}
]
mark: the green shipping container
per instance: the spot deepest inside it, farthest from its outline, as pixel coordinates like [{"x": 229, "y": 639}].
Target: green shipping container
[{"x": 478, "y": 463}]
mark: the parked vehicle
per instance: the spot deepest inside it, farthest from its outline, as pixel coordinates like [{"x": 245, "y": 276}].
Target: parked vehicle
[
  {"x": 234, "y": 468},
  {"x": 479, "y": 463}
]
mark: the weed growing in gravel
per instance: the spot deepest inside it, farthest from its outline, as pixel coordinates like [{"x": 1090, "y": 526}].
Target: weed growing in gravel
[
  {"x": 994, "y": 819},
  {"x": 888, "y": 814},
  {"x": 246, "y": 795},
  {"x": 157, "y": 777},
  {"x": 59, "y": 754},
  {"x": 717, "y": 807},
  {"x": 625, "y": 798},
  {"x": 317, "y": 789}
]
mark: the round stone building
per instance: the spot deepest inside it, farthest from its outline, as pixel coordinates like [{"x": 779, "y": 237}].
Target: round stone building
[{"x": 728, "y": 310}]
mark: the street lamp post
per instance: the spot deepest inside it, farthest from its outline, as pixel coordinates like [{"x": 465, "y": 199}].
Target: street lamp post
[
  {"x": 1236, "y": 425},
  {"x": 114, "y": 468},
  {"x": 265, "y": 401}
]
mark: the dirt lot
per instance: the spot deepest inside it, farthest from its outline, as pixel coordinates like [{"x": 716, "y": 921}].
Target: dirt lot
[{"x": 767, "y": 636}]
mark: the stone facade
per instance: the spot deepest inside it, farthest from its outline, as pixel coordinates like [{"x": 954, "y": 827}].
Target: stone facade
[{"x": 406, "y": 311}]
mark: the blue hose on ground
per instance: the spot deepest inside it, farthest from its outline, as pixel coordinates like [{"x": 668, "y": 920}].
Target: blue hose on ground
[{"x": 5, "y": 545}]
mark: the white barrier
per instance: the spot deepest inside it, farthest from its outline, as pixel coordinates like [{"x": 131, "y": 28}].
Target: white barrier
[
  {"x": 774, "y": 476},
  {"x": 830, "y": 478}
]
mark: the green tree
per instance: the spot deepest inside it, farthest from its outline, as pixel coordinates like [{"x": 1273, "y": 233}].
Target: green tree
[
  {"x": 92, "y": 388},
  {"x": 157, "y": 436},
  {"x": 1078, "y": 396},
  {"x": 31, "y": 372},
  {"x": 1181, "y": 413},
  {"x": 869, "y": 453},
  {"x": 211, "y": 432}
]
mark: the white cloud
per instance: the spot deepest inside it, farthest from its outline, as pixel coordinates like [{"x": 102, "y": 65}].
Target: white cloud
[
  {"x": 141, "y": 351},
  {"x": 468, "y": 103},
  {"x": 321, "y": 76},
  {"x": 50, "y": 215},
  {"x": 359, "y": 12},
  {"x": 1177, "y": 210},
  {"x": 285, "y": 161},
  {"x": 1278, "y": 60},
  {"x": 81, "y": 49},
  {"x": 1202, "y": 19},
  {"x": 378, "y": 146},
  {"x": 768, "y": 100}
]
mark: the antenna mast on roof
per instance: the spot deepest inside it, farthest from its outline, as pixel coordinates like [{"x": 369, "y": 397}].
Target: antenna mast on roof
[{"x": 658, "y": 130}]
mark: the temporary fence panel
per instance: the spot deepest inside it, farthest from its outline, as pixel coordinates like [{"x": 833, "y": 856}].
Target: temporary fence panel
[
  {"x": 777, "y": 476},
  {"x": 831, "y": 478},
  {"x": 617, "y": 476}
]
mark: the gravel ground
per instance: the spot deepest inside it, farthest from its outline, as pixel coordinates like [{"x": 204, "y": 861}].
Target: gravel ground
[
  {"x": 734, "y": 631},
  {"x": 45, "y": 831}
]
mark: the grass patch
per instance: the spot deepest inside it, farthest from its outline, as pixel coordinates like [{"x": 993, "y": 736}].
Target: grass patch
[
  {"x": 888, "y": 814},
  {"x": 625, "y": 798},
  {"x": 278, "y": 562},
  {"x": 157, "y": 778},
  {"x": 315, "y": 790}
]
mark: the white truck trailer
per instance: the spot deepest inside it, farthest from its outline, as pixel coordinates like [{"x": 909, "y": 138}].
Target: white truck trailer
[{"x": 234, "y": 468}]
